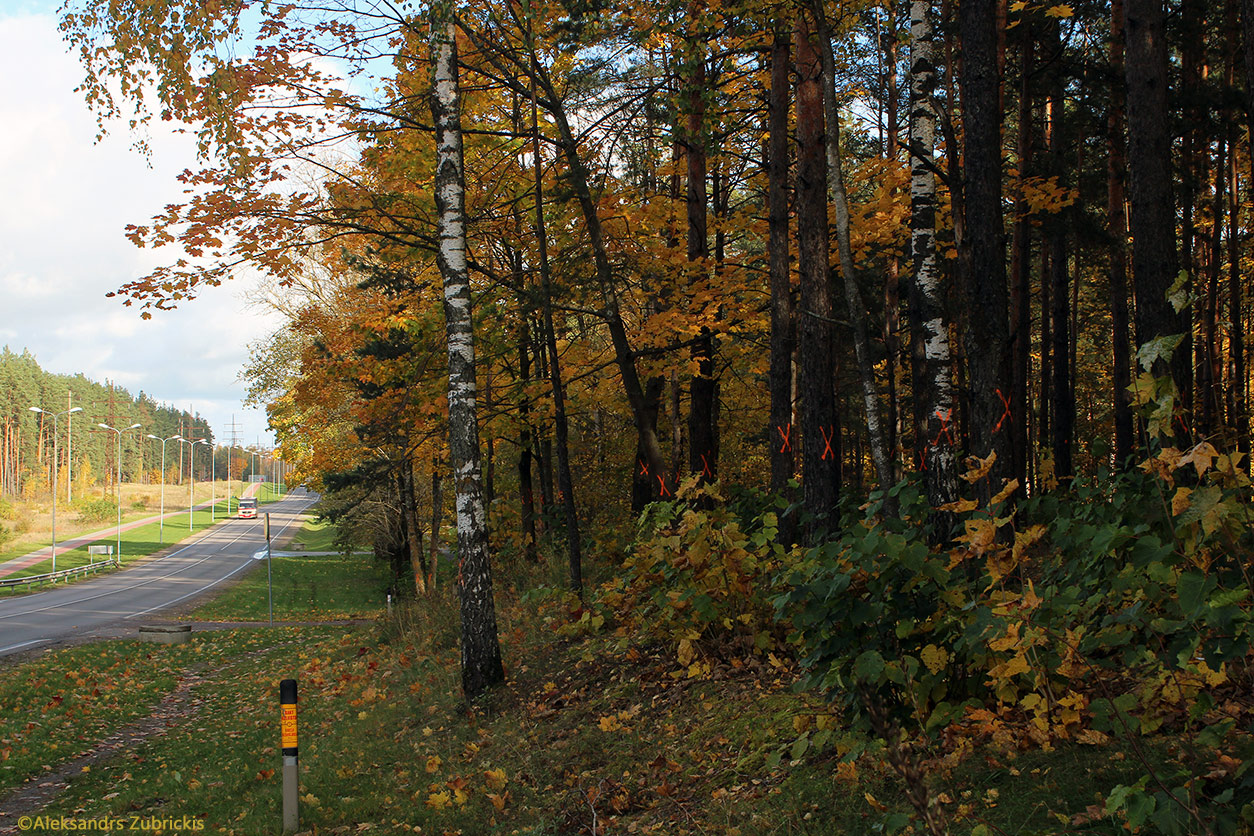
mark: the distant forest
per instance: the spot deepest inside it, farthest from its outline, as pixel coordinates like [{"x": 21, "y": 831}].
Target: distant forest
[{"x": 85, "y": 451}]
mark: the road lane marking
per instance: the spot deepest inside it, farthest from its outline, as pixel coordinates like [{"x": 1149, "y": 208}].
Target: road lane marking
[
  {"x": 190, "y": 594},
  {"x": 23, "y": 644}
]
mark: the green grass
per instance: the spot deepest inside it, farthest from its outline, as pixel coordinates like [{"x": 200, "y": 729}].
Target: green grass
[
  {"x": 67, "y": 700},
  {"x": 588, "y": 731},
  {"x": 584, "y": 729},
  {"x": 314, "y": 536},
  {"x": 306, "y": 586}
]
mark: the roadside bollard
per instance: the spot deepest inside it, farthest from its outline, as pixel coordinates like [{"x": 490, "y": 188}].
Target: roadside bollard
[
  {"x": 291, "y": 783},
  {"x": 389, "y": 603}
]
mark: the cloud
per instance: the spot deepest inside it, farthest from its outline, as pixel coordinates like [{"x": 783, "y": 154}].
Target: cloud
[{"x": 66, "y": 203}]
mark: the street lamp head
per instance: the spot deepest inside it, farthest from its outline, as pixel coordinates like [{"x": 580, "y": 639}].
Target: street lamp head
[
  {"x": 35, "y": 409},
  {"x": 76, "y": 409},
  {"x": 153, "y": 437},
  {"x": 134, "y": 426}
]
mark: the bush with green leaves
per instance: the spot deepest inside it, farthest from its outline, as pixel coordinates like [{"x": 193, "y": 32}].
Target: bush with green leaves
[
  {"x": 700, "y": 576},
  {"x": 1116, "y": 609},
  {"x": 97, "y": 510}
]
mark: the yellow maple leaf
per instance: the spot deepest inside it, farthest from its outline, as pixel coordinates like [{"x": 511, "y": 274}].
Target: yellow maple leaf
[
  {"x": 433, "y": 764},
  {"x": 1060, "y": 11},
  {"x": 499, "y": 801},
  {"x": 496, "y": 779},
  {"x": 609, "y": 724},
  {"x": 439, "y": 800}
]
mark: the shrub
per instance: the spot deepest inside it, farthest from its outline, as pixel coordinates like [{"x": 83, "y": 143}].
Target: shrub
[
  {"x": 694, "y": 577},
  {"x": 97, "y": 510}
]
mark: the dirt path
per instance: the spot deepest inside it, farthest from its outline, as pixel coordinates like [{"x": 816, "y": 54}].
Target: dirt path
[{"x": 177, "y": 706}]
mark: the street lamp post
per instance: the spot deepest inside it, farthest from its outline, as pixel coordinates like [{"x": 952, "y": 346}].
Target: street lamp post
[
  {"x": 161, "y": 525},
  {"x": 191, "y": 472},
  {"x": 241, "y": 476},
  {"x": 213, "y": 485},
  {"x": 55, "y": 468},
  {"x": 118, "y": 486}
]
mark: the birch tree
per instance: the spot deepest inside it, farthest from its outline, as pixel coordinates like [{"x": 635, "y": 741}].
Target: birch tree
[
  {"x": 934, "y": 390},
  {"x": 481, "y": 651}
]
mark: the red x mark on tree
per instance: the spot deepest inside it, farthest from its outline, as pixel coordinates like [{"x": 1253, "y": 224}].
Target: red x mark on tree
[
  {"x": 827, "y": 442},
  {"x": 784, "y": 432},
  {"x": 705, "y": 468},
  {"x": 662, "y": 491},
  {"x": 1005, "y": 402},
  {"x": 944, "y": 427},
  {"x": 644, "y": 468}
]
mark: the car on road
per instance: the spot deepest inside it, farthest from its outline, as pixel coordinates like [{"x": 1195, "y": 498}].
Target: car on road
[{"x": 248, "y": 508}]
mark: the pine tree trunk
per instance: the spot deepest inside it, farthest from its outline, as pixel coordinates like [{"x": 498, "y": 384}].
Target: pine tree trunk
[
  {"x": 820, "y": 454},
  {"x": 1116, "y": 225},
  {"x": 853, "y": 295},
  {"x": 1021, "y": 255},
  {"x": 988, "y": 355},
  {"x": 702, "y": 432},
  {"x": 783, "y": 329},
  {"x": 1152, "y": 216},
  {"x": 1063, "y": 404},
  {"x": 480, "y": 649}
]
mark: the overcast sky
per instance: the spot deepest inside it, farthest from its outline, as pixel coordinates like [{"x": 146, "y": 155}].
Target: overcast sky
[{"x": 64, "y": 203}]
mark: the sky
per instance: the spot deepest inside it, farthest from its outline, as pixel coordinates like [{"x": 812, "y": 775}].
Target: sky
[{"x": 64, "y": 204}]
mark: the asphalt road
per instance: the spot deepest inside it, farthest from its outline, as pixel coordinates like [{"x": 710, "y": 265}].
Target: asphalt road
[{"x": 188, "y": 569}]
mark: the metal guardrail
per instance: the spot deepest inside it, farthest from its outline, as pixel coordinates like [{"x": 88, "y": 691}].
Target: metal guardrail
[{"x": 53, "y": 577}]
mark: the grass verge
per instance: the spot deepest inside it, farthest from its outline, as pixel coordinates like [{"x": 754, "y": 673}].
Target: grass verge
[
  {"x": 306, "y": 586},
  {"x": 589, "y": 736}
]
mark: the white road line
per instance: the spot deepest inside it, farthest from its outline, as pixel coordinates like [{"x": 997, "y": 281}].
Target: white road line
[
  {"x": 23, "y": 644},
  {"x": 188, "y": 595}
]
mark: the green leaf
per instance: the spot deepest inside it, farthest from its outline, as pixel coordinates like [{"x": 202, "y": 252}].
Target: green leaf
[
  {"x": 1191, "y": 589},
  {"x": 869, "y": 666}
]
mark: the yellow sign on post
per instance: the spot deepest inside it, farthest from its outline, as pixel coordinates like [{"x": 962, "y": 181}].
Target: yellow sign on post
[
  {"x": 291, "y": 775},
  {"x": 289, "y": 727}
]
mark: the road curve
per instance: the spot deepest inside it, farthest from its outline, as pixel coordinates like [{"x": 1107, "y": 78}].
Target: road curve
[{"x": 222, "y": 552}]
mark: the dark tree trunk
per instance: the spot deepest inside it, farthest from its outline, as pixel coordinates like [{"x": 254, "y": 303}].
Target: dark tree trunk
[
  {"x": 565, "y": 485},
  {"x": 702, "y": 432},
  {"x": 1116, "y": 225},
  {"x": 1063, "y": 405},
  {"x": 853, "y": 295},
  {"x": 987, "y": 341},
  {"x": 417, "y": 558},
  {"x": 526, "y": 485},
  {"x": 1152, "y": 216},
  {"x": 480, "y": 649},
  {"x": 783, "y": 331},
  {"x": 1021, "y": 254},
  {"x": 820, "y": 454}
]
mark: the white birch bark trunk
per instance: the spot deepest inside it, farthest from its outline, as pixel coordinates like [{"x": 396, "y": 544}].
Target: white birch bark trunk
[
  {"x": 480, "y": 650},
  {"x": 935, "y": 403}
]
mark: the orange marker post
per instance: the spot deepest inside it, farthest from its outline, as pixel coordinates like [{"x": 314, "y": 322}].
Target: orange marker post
[{"x": 291, "y": 778}]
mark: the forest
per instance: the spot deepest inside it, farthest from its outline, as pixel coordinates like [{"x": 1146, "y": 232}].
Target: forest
[
  {"x": 904, "y": 338},
  {"x": 85, "y": 452}
]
